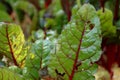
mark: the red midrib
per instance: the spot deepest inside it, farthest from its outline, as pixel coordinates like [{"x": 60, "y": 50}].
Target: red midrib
[
  {"x": 77, "y": 55},
  {"x": 10, "y": 46}
]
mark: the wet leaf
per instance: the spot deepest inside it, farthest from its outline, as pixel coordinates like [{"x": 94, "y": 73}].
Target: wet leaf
[{"x": 78, "y": 46}]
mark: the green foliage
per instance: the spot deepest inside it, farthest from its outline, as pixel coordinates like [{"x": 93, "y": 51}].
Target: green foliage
[
  {"x": 38, "y": 59},
  {"x": 78, "y": 46},
  {"x": 5, "y": 17},
  {"x": 106, "y": 19},
  {"x": 55, "y": 17},
  {"x": 6, "y": 74},
  {"x": 37, "y": 35},
  {"x": 57, "y": 22},
  {"x": 2, "y": 7},
  {"x": 109, "y": 5},
  {"x": 12, "y": 40},
  {"x": 68, "y": 56}
]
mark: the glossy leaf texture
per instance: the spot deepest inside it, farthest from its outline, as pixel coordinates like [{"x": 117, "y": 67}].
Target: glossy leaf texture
[
  {"x": 78, "y": 46},
  {"x": 6, "y": 74},
  {"x": 38, "y": 59},
  {"x": 11, "y": 42},
  {"x": 106, "y": 19}
]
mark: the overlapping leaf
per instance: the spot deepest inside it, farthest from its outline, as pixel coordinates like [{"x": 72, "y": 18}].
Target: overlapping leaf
[
  {"x": 11, "y": 42},
  {"x": 78, "y": 46},
  {"x": 106, "y": 19},
  {"x": 6, "y": 74},
  {"x": 38, "y": 59}
]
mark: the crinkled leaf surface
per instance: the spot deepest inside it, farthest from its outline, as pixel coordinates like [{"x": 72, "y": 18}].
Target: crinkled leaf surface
[
  {"x": 106, "y": 19},
  {"x": 38, "y": 59},
  {"x": 11, "y": 42},
  {"x": 78, "y": 46},
  {"x": 6, "y": 74}
]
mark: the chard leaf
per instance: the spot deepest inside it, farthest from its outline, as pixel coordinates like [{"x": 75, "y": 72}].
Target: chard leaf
[
  {"x": 78, "y": 47},
  {"x": 38, "y": 59},
  {"x": 11, "y": 42},
  {"x": 106, "y": 19},
  {"x": 6, "y": 74}
]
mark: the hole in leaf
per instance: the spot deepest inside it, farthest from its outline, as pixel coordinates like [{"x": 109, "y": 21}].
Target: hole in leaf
[
  {"x": 91, "y": 26},
  {"x": 14, "y": 46},
  {"x": 88, "y": 22},
  {"x": 60, "y": 74}
]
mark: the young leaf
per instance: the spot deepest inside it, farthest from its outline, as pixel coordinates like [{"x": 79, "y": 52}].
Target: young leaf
[
  {"x": 6, "y": 74},
  {"x": 38, "y": 59},
  {"x": 78, "y": 46},
  {"x": 11, "y": 42},
  {"x": 106, "y": 19}
]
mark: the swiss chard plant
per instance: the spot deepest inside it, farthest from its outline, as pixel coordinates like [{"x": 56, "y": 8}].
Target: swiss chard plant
[
  {"x": 71, "y": 56},
  {"x": 78, "y": 46}
]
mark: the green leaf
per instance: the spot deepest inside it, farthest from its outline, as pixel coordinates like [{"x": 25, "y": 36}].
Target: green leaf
[
  {"x": 37, "y": 35},
  {"x": 2, "y": 7},
  {"x": 38, "y": 59},
  {"x": 6, "y": 74},
  {"x": 11, "y": 42},
  {"x": 78, "y": 46},
  {"x": 106, "y": 19},
  {"x": 4, "y": 17},
  {"x": 16, "y": 69}
]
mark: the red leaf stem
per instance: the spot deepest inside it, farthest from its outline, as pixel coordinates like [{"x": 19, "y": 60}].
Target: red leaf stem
[
  {"x": 110, "y": 56},
  {"x": 77, "y": 55},
  {"x": 66, "y": 7},
  {"x": 102, "y": 2},
  {"x": 118, "y": 56},
  {"x": 47, "y": 3},
  {"x": 10, "y": 46},
  {"x": 116, "y": 10}
]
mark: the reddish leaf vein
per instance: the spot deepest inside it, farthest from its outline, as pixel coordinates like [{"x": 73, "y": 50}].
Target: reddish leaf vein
[
  {"x": 10, "y": 45},
  {"x": 77, "y": 55}
]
